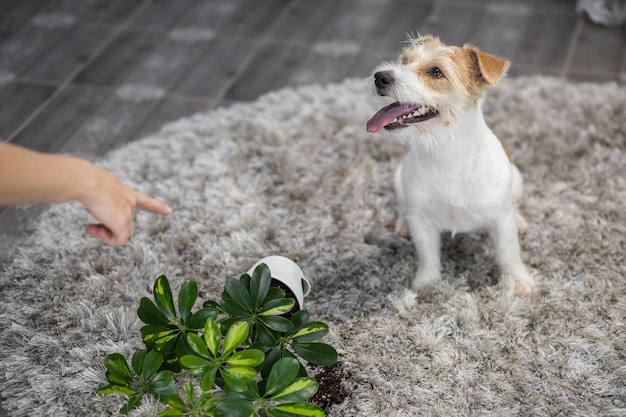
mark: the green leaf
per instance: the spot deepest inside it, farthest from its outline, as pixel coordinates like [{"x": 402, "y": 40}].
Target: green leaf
[
  {"x": 273, "y": 294},
  {"x": 133, "y": 402},
  {"x": 152, "y": 334},
  {"x": 115, "y": 380},
  {"x": 170, "y": 397},
  {"x": 245, "y": 280},
  {"x": 234, "y": 407},
  {"x": 160, "y": 380},
  {"x": 197, "y": 345},
  {"x": 161, "y": 338},
  {"x": 137, "y": 360},
  {"x": 118, "y": 368},
  {"x": 151, "y": 364},
  {"x": 160, "y": 385},
  {"x": 299, "y": 320},
  {"x": 208, "y": 379},
  {"x": 249, "y": 357},
  {"x": 163, "y": 297},
  {"x": 237, "y": 377},
  {"x": 208, "y": 401},
  {"x": 300, "y": 390},
  {"x": 316, "y": 353},
  {"x": 236, "y": 335},
  {"x": 198, "y": 319},
  {"x": 311, "y": 331},
  {"x": 227, "y": 322},
  {"x": 251, "y": 394},
  {"x": 213, "y": 305},
  {"x": 299, "y": 409},
  {"x": 282, "y": 374},
  {"x": 212, "y": 336},
  {"x": 232, "y": 308},
  {"x": 186, "y": 298},
  {"x": 195, "y": 364},
  {"x": 238, "y": 292},
  {"x": 271, "y": 357},
  {"x": 149, "y": 313},
  {"x": 267, "y": 336},
  {"x": 116, "y": 389},
  {"x": 190, "y": 391},
  {"x": 260, "y": 284},
  {"x": 239, "y": 373},
  {"x": 278, "y": 307},
  {"x": 278, "y": 323},
  {"x": 183, "y": 348}
]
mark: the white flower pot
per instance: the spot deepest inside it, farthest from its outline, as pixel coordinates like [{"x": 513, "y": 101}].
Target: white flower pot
[{"x": 289, "y": 273}]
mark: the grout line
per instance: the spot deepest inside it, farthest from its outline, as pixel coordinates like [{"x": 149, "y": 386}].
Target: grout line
[
  {"x": 481, "y": 4},
  {"x": 591, "y": 75},
  {"x": 39, "y": 82},
  {"x": 621, "y": 74},
  {"x": 263, "y": 42},
  {"x": 136, "y": 133},
  {"x": 56, "y": 83},
  {"x": 571, "y": 48},
  {"x": 189, "y": 97},
  {"x": 121, "y": 28},
  {"x": 520, "y": 69},
  {"x": 545, "y": 71}
]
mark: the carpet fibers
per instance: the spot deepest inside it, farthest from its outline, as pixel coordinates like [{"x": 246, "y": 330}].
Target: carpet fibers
[{"x": 295, "y": 174}]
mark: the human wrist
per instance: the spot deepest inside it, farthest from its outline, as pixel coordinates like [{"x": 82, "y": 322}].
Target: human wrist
[{"x": 84, "y": 179}]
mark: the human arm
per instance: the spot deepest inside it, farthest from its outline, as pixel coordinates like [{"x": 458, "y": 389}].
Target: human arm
[{"x": 32, "y": 177}]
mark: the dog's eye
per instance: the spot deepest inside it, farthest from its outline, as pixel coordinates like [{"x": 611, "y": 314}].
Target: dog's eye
[
  {"x": 404, "y": 60},
  {"x": 435, "y": 72}
]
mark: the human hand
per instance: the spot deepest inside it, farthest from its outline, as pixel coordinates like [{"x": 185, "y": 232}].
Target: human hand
[
  {"x": 28, "y": 176},
  {"x": 113, "y": 204}
]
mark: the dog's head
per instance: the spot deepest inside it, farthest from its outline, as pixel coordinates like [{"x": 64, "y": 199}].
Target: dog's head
[{"x": 432, "y": 84}]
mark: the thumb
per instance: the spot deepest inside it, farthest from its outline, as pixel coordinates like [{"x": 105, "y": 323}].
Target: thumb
[{"x": 104, "y": 233}]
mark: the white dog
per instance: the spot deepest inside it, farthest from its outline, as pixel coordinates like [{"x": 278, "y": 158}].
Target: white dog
[{"x": 456, "y": 176}]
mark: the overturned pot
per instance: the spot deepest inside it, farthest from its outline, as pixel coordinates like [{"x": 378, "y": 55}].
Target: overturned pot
[{"x": 287, "y": 272}]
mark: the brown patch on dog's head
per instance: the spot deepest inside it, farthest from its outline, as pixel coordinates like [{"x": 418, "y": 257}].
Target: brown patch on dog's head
[{"x": 443, "y": 69}]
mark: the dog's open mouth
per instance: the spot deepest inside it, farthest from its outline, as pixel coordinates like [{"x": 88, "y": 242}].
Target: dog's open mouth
[{"x": 398, "y": 115}]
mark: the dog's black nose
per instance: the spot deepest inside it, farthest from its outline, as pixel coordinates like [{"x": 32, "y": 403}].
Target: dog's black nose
[{"x": 383, "y": 79}]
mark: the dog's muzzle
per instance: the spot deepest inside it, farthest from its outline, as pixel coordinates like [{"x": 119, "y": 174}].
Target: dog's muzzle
[{"x": 383, "y": 80}]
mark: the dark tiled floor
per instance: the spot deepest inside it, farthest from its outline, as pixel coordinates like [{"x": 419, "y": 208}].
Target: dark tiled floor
[{"x": 68, "y": 67}]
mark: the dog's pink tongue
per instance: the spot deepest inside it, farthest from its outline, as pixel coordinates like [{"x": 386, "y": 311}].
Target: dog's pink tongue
[{"x": 385, "y": 116}]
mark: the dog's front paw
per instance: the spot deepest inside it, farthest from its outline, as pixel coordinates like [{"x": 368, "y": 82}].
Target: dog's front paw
[
  {"x": 522, "y": 225},
  {"x": 425, "y": 283},
  {"x": 402, "y": 228},
  {"x": 524, "y": 285}
]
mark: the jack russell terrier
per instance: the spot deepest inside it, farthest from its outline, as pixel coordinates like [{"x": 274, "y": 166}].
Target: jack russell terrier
[{"x": 456, "y": 176}]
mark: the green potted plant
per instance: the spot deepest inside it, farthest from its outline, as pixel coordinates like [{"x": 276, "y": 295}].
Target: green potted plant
[{"x": 244, "y": 355}]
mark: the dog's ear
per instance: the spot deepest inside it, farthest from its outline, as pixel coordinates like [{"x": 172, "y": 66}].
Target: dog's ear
[{"x": 487, "y": 67}]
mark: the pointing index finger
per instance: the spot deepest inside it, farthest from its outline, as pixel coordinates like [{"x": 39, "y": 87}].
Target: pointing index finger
[{"x": 145, "y": 202}]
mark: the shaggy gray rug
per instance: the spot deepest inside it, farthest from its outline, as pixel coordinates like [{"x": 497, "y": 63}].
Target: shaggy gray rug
[{"x": 295, "y": 174}]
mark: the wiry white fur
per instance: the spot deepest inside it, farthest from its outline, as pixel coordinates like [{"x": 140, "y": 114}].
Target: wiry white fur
[{"x": 456, "y": 176}]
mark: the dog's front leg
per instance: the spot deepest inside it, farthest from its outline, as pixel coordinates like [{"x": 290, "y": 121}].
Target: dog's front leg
[
  {"x": 427, "y": 239},
  {"x": 504, "y": 234},
  {"x": 402, "y": 228}
]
